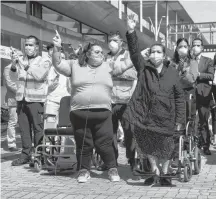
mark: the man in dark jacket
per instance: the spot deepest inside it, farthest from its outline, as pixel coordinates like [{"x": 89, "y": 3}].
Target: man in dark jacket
[{"x": 205, "y": 74}]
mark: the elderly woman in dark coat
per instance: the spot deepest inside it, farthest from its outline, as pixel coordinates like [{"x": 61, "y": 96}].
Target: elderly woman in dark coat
[{"x": 157, "y": 107}]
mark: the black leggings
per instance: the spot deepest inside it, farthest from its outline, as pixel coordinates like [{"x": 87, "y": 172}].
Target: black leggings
[{"x": 93, "y": 127}]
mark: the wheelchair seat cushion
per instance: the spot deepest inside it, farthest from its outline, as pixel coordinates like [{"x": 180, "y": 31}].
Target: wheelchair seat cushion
[{"x": 68, "y": 131}]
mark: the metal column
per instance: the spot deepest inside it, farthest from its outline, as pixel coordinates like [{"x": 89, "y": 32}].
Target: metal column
[
  {"x": 141, "y": 16},
  {"x": 211, "y": 41},
  {"x": 176, "y": 30},
  {"x": 167, "y": 24},
  {"x": 125, "y": 8},
  {"x": 156, "y": 20},
  {"x": 120, "y": 9}
]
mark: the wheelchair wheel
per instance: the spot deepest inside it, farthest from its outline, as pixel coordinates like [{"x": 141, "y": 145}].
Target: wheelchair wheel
[
  {"x": 37, "y": 165},
  {"x": 187, "y": 171},
  {"x": 197, "y": 162}
]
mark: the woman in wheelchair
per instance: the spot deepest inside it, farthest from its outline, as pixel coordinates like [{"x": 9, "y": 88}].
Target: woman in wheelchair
[
  {"x": 188, "y": 72},
  {"x": 91, "y": 116}
]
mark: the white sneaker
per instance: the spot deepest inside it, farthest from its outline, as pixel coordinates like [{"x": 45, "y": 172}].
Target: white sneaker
[
  {"x": 113, "y": 175},
  {"x": 83, "y": 176}
]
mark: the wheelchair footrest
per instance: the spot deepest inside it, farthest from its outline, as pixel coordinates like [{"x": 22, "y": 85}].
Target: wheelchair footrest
[
  {"x": 138, "y": 172},
  {"x": 173, "y": 175}
]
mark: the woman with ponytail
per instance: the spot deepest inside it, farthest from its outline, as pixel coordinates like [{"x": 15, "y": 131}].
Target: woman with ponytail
[{"x": 91, "y": 116}]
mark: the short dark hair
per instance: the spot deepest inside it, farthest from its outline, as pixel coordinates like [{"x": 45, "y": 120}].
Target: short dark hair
[
  {"x": 35, "y": 38},
  {"x": 158, "y": 44},
  {"x": 198, "y": 39},
  {"x": 115, "y": 34},
  {"x": 50, "y": 46}
]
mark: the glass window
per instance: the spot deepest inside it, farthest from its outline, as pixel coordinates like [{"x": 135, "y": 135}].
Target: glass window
[
  {"x": 60, "y": 20},
  {"x": 90, "y": 30},
  {"x": 21, "y": 6},
  {"x": 101, "y": 38}
]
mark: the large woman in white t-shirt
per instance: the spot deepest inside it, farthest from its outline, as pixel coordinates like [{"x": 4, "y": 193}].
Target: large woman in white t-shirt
[{"x": 91, "y": 88}]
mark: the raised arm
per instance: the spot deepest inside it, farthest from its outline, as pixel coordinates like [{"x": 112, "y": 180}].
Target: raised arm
[
  {"x": 62, "y": 66},
  {"x": 133, "y": 44}
]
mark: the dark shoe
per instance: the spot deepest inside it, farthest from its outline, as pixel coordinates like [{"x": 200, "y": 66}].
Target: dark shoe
[
  {"x": 149, "y": 181},
  {"x": 131, "y": 161},
  {"x": 102, "y": 167},
  {"x": 13, "y": 149},
  {"x": 206, "y": 151},
  {"x": 20, "y": 161},
  {"x": 166, "y": 181}
]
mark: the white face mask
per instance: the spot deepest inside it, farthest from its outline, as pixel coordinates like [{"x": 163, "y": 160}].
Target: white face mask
[
  {"x": 156, "y": 60},
  {"x": 183, "y": 52},
  {"x": 96, "y": 60},
  {"x": 30, "y": 52},
  {"x": 196, "y": 50},
  {"x": 113, "y": 46}
]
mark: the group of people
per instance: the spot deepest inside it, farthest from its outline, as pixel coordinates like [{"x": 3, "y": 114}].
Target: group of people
[{"x": 143, "y": 90}]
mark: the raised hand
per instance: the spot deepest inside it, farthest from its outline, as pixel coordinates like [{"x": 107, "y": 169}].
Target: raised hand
[
  {"x": 131, "y": 22},
  {"x": 57, "y": 40},
  {"x": 14, "y": 56},
  {"x": 145, "y": 53}
]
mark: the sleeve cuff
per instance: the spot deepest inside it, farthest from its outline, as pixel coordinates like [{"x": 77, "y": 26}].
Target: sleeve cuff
[
  {"x": 13, "y": 69},
  {"x": 26, "y": 68}
]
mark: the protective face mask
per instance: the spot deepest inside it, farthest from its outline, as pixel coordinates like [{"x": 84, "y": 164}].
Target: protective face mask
[
  {"x": 96, "y": 60},
  {"x": 30, "y": 52},
  {"x": 113, "y": 46},
  {"x": 156, "y": 60},
  {"x": 196, "y": 50},
  {"x": 183, "y": 52}
]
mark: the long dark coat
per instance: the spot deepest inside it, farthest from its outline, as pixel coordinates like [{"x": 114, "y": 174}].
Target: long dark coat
[{"x": 158, "y": 100}]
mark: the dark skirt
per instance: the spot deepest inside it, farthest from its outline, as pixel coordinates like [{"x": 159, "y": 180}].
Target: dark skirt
[{"x": 155, "y": 144}]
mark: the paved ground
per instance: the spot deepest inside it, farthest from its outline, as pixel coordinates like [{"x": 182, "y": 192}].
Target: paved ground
[{"x": 24, "y": 182}]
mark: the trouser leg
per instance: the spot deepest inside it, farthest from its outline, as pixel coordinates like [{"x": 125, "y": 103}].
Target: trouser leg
[
  {"x": 203, "y": 126},
  {"x": 36, "y": 110},
  {"x": 11, "y": 129},
  {"x": 103, "y": 138},
  {"x": 83, "y": 138},
  {"x": 128, "y": 139},
  {"x": 25, "y": 129}
]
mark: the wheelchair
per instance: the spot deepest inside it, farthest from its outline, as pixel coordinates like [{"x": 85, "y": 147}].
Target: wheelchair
[
  {"x": 188, "y": 155},
  {"x": 48, "y": 154}
]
